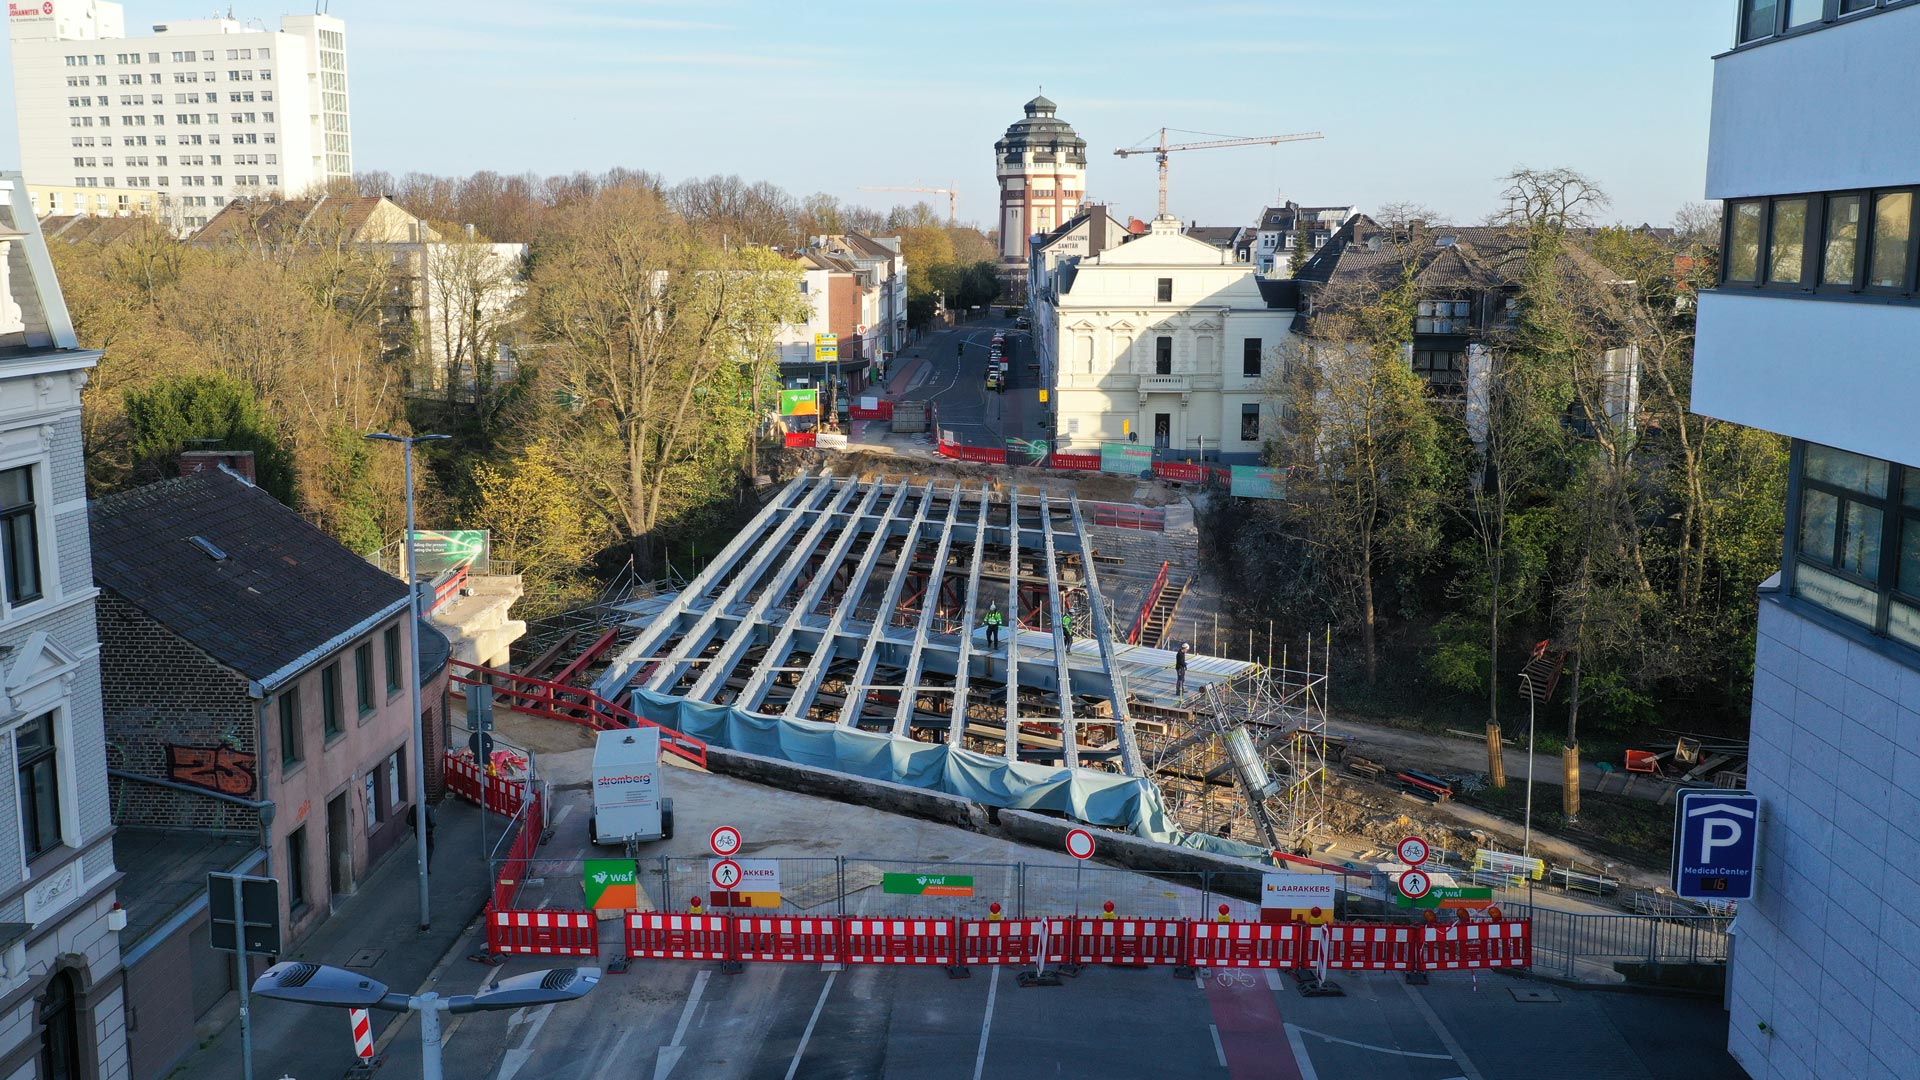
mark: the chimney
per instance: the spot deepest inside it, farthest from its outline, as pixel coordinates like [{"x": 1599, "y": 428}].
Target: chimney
[{"x": 195, "y": 462}]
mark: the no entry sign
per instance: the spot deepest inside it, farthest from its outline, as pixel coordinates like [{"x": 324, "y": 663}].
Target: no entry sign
[
  {"x": 1080, "y": 844},
  {"x": 725, "y": 841}
]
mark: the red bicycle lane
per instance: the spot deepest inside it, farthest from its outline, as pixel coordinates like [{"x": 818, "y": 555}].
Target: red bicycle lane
[{"x": 1253, "y": 1035}]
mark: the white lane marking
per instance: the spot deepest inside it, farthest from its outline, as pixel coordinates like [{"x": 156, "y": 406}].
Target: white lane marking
[
  {"x": 670, "y": 1053},
  {"x": 1300, "y": 1057},
  {"x": 811, "y": 1021},
  {"x": 514, "y": 1060},
  {"x": 1219, "y": 1050},
  {"x": 986, "y": 1024},
  {"x": 1294, "y": 1030},
  {"x": 1273, "y": 979},
  {"x": 1445, "y": 1036},
  {"x": 562, "y": 815}
]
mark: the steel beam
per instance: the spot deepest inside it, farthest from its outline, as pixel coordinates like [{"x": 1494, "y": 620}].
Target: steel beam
[
  {"x": 869, "y": 653},
  {"x": 1069, "y": 738},
  {"x": 963, "y": 667},
  {"x": 932, "y": 599},
  {"x": 1097, "y": 606},
  {"x": 756, "y": 689},
  {"x": 1012, "y": 747}
]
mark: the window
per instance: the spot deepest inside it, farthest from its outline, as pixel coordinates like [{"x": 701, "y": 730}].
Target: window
[
  {"x": 1892, "y": 240},
  {"x": 1163, "y": 355},
  {"x": 19, "y": 535},
  {"x": 330, "y": 699},
  {"x": 1166, "y": 290},
  {"x": 297, "y": 870},
  {"x": 1250, "y": 358},
  {"x": 60, "y": 1030},
  {"x": 289, "y": 729},
  {"x": 37, "y": 763},
  {"x": 1443, "y": 317},
  {"x": 1758, "y": 19},
  {"x": 1855, "y": 541},
  {"x": 1787, "y": 241},
  {"x": 390, "y": 639},
  {"x": 363, "y": 676},
  {"x": 396, "y": 776},
  {"x": 1840, "y": 257},
  {"x": 1250, "y": 422},
  {"x": 1440, "y": 366}
]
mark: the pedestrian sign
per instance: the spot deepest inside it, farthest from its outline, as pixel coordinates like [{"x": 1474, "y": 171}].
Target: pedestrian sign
[{"x": 1716, "y": 844}]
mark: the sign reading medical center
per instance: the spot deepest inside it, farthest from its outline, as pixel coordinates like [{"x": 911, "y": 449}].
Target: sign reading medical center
[{"x": 1716, "y": 845}]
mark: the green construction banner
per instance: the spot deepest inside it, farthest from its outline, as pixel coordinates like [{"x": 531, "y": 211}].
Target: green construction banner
[
  {"x": 927, "y": 884},
  {"x": 1258, "y": 482},
  {"x": 436, "y": 552},
  {"x": 799, "y": 403},
  {"x": 612, "y": 883},
  {"x": 1125, "y": 458},
  {"x": 1031, "y": 452},
  {"x": 1450, "y": 896}
]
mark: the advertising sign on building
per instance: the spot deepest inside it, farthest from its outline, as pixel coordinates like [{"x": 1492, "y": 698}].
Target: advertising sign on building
[
  {"x": 1125, "y": 458},
  {"x": 437, "y": 552},
  {"x": 1716, "y": 843},
  {"x": 1258, "y": 482},
  {"x": 612, "y": 883},
  {"x": 759, "y": 884}
]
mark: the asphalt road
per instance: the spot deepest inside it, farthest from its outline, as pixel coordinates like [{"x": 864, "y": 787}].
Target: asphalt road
[
  {"x": 691, "y": 1020},
  {"x": 956, "y": 382}
]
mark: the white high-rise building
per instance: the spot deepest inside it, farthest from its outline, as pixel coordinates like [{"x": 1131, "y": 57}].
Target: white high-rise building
[
  {"x": 1811, "y": 332},
  {"x": 200, "y": 111}
]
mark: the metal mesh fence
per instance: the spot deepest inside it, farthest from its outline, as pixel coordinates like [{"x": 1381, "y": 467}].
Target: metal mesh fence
[
  {"x": 1085, "y": 890},
  {"x": 767, "y": 886},
  {"x": 894, "y": 888}
]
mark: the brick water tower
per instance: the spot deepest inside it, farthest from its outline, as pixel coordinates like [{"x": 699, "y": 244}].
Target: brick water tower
[{"x": 1041, "y": 164}]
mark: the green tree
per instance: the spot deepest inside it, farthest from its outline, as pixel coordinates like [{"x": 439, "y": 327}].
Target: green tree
[
  {"x": 172, "y": 414},
  {"x": 539, "y": 521}
]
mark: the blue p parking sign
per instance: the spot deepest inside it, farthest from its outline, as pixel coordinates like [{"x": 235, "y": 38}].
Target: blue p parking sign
[{"x": 1716, "y": 845}]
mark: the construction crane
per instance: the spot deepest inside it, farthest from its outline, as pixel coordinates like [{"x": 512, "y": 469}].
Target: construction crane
[
  {"x": 1160, "y": 152},
  {"x": 953, "y": 198}
]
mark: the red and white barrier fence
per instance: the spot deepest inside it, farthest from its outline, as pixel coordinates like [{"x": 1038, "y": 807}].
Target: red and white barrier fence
[
  {"x": 543, "y": 933},
  {"x": 900, "y": 941},
  {"x": 467, "y": 779},
  {"x": 1257, "y": 944},
  {"x": 1014, "y": 941},
  {"x": 787, "y": 939},
  {"x": 659, "y": 935},
  {"x": 1129, "y": 942},
  {"x": 1508, "y": 943}
]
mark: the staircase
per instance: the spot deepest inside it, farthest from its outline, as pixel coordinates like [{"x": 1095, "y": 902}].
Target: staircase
[
  {"x": 1542, "y": 673},
  {"x": 1159, "y": 620}
]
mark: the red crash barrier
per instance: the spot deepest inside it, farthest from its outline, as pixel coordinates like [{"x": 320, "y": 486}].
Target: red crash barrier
[
  {"x": 881, "y": 411},
  {"x": 661, "y": 935},
  {"x": 545, "y": 933},
  {"x": 1274, "y": 945},
  {"x": 1372, "y": 948},
  {"x": 804, "y": 940},
  {"x": 1014, "y": 941},
  {"x": 466, "y": 779},
  {"x": 1508, "y": 943},
  {"x": 1176, "y": 470},
  {"x": 1129, "y": 941},
  {"x": 900, "y": 941},
  {"x": 1080, "y": 462},
  {"x": 992, "y": 455},
  {"x": 801, "y": 438}
]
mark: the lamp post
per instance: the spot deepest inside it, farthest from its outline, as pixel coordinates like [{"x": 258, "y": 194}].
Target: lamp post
[
  {"x": 319, "y": 984},
  {"x": 413, "y": 675},
  {"x": 1526, "y": 687}
]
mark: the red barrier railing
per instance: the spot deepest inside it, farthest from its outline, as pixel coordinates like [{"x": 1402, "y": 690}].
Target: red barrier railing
[
  {"x": 991, "y": 455},
  {"x": 1078, "y": 462},
  {"x": 882, "y": 411},
  {"x": 446, "y": 590},
  {"x": 575, "y": 705},
  {"x": 1146, "y": 609},
  {"x": 515, "y": 867},
  {"x": 801, "y": 438},
  {"x": 543, "y": 933},
  {"x": 466, "y": 778},
  {"x": 1123, "y": 516}
]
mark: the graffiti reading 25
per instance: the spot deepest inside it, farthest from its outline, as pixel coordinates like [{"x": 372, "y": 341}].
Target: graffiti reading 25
[{"x": 216, "y": 768}]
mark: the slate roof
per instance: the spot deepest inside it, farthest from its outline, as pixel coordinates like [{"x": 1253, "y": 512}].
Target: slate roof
[
  {"x": 285, "y": 219},
  {"x": 1444, "y": 256},
  {"x": 284, "y": 590},
  {"x": 1220, "y": 236},
  {"x": 96, "y": 228}
]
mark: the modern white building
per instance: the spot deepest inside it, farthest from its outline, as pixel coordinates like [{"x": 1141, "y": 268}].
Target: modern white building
[
  {"x": 1041, "y": 164},
  {"x": 61, "y": 1007},
  {"x": 199, "y": 110},
  {"x": 1164, "y": 340},
  {"x": 1814, "y": 332}
]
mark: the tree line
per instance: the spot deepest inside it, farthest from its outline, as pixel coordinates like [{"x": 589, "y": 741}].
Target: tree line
[
  {"x": 642, "y": 325},
  {"x": 1568, "y": 496}
]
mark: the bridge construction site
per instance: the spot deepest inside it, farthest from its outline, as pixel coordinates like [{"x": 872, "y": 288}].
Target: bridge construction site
[{"x": 861, "y": 604}]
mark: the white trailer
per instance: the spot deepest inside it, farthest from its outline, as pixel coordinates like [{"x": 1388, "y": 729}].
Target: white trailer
[{"x": 627, "y": 805}]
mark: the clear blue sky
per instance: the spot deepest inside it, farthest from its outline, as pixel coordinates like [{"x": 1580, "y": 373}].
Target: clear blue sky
[{"x": 1429, "y": 101}]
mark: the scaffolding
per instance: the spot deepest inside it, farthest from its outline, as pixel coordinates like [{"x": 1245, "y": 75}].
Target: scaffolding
[{"x": 1246, "y": 758}]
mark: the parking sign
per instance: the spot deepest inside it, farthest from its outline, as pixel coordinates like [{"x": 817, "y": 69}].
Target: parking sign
[{"x": 1716, "y": 845}]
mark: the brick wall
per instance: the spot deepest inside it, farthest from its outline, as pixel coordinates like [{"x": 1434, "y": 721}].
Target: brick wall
[{"x": 158, "y": 691}]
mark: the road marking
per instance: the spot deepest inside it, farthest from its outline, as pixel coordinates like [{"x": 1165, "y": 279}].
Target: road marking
[
  {"x": 514, "y": 1060},
  {"x": 1445, "y": 1036},
  {"x": 670, "y": 1054},
  {"x": 986, "y": 1024},
  {"x": 1294, "y": 1030},
  {"x": 1300, "y": 1054},
  {"x": 1273, "y": 980},
  {"x": 815, "y": 1019},
  {"x": 562, "y": 815},
  {"x": 1219, "y": 1051}
]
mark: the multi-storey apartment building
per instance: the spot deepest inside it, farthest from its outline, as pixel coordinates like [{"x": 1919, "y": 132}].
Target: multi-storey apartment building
[
  {"x": 61, "y": 1010},
  {"x": 200, "y": 111},
  {"x": 1815, "y": 154}
]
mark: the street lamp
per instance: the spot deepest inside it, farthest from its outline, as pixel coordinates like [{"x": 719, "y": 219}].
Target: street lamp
[
  {"x": 320, "y": 984},
  {"x": 1526, "y": 687},
  {"x": 413, "y": 675}
]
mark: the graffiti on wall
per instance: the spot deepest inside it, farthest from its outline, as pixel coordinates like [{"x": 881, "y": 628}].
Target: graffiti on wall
[{"x": 216, "y": 768}]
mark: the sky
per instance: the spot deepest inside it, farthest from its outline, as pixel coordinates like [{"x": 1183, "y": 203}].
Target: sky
[{"x": 1422, "y": 101}]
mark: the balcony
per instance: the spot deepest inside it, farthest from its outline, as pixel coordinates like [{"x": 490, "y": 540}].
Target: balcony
[{"x": 1165, "y": 384}]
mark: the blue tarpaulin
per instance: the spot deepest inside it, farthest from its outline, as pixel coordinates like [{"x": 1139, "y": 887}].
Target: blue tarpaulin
[{"x": 1129, "y": 803}]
